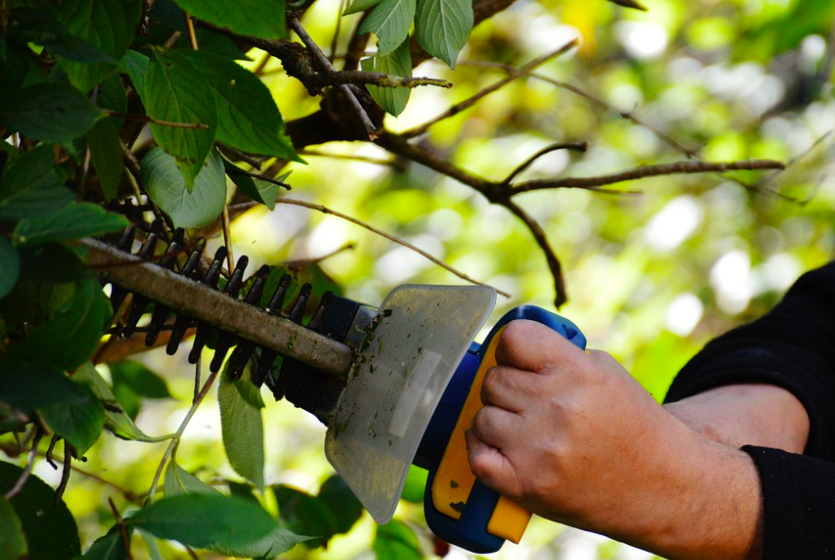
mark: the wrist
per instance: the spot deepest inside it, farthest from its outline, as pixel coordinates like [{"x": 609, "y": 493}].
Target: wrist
[{"x": 714, "y": 507}]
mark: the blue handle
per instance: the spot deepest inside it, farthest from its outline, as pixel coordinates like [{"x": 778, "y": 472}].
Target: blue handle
[{"x": 470, "y": 530}]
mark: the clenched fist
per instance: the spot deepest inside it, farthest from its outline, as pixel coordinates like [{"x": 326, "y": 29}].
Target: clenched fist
[{"x": 574, "y": 438}]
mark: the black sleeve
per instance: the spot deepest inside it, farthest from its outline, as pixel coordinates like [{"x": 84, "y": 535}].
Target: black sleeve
[
  {"x": 793, "y": 346},
  {"x": 798, "y": 504}
]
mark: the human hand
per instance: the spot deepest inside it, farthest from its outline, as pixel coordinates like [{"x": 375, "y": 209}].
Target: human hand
[{"x": 573, "y": 437}]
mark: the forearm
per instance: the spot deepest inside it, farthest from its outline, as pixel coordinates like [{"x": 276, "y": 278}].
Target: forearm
[
  {"x": 710, "y": 506},
  {"x": 746, "y": 414}
]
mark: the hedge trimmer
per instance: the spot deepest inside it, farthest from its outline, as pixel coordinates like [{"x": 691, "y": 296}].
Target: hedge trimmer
[{"x": 395, "y": 385}]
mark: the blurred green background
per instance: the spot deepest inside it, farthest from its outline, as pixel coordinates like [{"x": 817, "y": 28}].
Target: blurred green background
[{"x": 651, "y": 275}]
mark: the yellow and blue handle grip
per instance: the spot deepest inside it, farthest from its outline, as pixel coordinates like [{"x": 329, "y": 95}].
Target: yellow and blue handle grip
[{"x": 460, "y": 509}]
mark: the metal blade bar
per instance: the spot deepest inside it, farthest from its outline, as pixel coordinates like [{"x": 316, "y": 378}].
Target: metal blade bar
[{"x": 229, "y": 314}]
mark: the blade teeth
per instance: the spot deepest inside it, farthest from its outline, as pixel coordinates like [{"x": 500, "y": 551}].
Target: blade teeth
[{"x": 241, "y": 350}]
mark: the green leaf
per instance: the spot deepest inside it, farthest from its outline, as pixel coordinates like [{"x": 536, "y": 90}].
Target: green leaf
[
  {"x": 356, "y": 6},
  {"x": 187, "y": 207},
  {"x": 139, "y": 379},
  {"x": 341, "y": 502},
  {"x": 30, "y": 186},
  {"x": 306, "y": 514},
  {"x": 398, "y": 63},
  {"x": 390, "y": 22},
  {"x": 40, "y": 26},
  {"x": 116, "y": 420},
  {"x": 247, "y": 116},
  {"x": 258, "y": 190},
  {"x": 396, "y": 541},
  {"x": 151, "y": 543},
  {"x": 136, "y": 65},
  {"x": 178, "y": 481},
  {"x": 242, "y": 430},
  {"x": 443, "y": 26},
  {"x": 277, "y": 542},
  {"x": 72, "y": 332},
  {"x": 10, "y": 265},
  {"x": 12, "y": 541},
  {"x": 107, "y": 24},
  {"x": 111, "y": 546},
  {"x": 30, "y": 386},
  {"x": 80, "y": 423},
  {"x": 49, "y": 112},
  {"x": 51, "y": 533},
  {"x": 258, "y": 18},
  {"x": 175, "y": 93},
  {"x": 415, "y": 486},
  {"x": 52, "y": 263},
  {"x": 203, "y": 520},
  {"x": 74, "y": 221},
  {"x": 106, "y": 153}
]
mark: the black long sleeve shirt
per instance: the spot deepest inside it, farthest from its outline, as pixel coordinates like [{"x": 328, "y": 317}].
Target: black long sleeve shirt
[{"x": 793, "y": 346}]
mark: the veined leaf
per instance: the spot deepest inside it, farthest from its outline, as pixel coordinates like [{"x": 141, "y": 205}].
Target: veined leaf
[
  {"x": 31, "y": 187},
  {"x": 247, "y": 116},
  {"x": 258, "y": 18},
  {"x": 50, "y": 530},
  {"x": 179, "y": 481},
  {"x": 167, "y": 188},
  {"x": 398, "y": 63},
  {"x": 106, "y": 24},
  {"x": 356, "y": 6},
  {"x": 111, "y": 546},
  {"x": 10, "y": 265},
  {"x": 115, "y": 419},
  {"x": 72, "y": 332},
  {"x": 242, "y": 429},
  {"x": 443, "y": 26},
  {"x": 12, "y": 540},
  {"x": 396, "y": 541},
  {"x": 256, "y": 189},
  {"x": 49, "y": 112},
  {"x": 74, "y": 221},
  {"x": 106, "y": 153},
  {"x": 135, "y": 64},
  {"x": 390, "y": 22},
  {"x": 175, "y": 93},
  {"x": 80, "y": 423},
  {"x": 32, "y": 386},
  {"x": 203, "y": 521}
]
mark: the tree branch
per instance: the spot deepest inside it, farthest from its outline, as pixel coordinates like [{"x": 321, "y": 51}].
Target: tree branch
[
  {"x": 373, "y": 78},
  {"x": 576, "y": 146},
  {"x": 676, "y": 168},
  {"x": 469, "y": 102}
]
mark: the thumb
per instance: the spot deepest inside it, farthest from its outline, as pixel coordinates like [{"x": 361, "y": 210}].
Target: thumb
[{"x": 532, "y": 346}]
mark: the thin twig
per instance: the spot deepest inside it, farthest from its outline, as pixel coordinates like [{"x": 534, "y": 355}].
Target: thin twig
[
  {"x": 389, "y": 162},
  {"x": 338, "y": 28},
  {"x": 378, "y": 79},
  {"x": 550, "y": 256},
  {"x": 128, "y": 495},
  {"x": 792, "y": 162},
  {"x": 254, "y": 161},
  {"x": 326, "y": 65},
  {"x": 65, "y": 473},
  {"x": 267, "y": 179},
  {"x": 301, "y": 263},
  {"x": 196, "y": 381},
  {"x": 122, "y": 529},
  {"x": 629, "y": 115},
  {"x": 676, "y": 168},
  {"x": 192, "y": 37},
  {"x": 175, "y": 440},
  {"x": 576, "y": 146},
  {"x": 27, "y": 470},
  {"x": 50, "y": 449},
  {"x": 369, "y": 227},
  {"x": 227, "y": 237},
  {"x": 152, "y": 120},
  {"x": 469, "y": 102}
]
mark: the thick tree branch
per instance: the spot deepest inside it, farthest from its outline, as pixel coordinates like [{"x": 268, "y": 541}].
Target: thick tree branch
[{"x": 676, "y": 168}]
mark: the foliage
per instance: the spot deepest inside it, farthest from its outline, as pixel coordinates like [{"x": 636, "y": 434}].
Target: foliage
[{"x": 103, "y": 101}]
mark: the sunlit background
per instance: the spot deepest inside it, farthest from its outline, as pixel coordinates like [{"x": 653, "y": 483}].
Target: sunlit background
[{"x": 651, "y": 275}]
